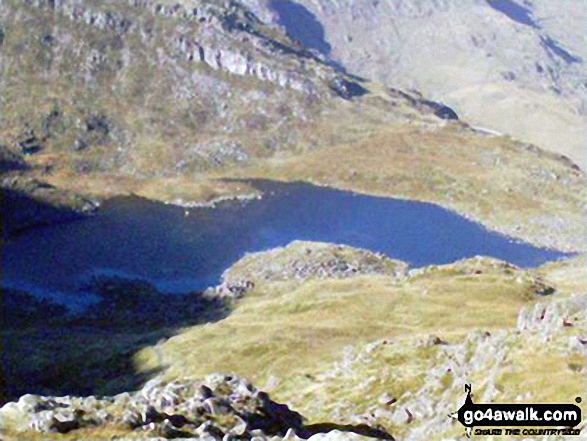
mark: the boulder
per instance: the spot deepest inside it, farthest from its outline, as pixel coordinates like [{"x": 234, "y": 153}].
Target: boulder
[
  {"x": 347, "y": 89},
  {"x": 219, "y": 407},
  {"x": 30, "y": 145}
]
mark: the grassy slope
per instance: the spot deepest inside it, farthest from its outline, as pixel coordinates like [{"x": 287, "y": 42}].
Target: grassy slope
[
  {"x": 283, "y": 328},
  {"x": 306, "y": 342},
  {"x": 428, "y": 380},
  {"x": 540, "y": 362},
  {"x": 287, "y": 327},
  {"x": 339, "y": 349},
  {"x": 493, "y": 180}
]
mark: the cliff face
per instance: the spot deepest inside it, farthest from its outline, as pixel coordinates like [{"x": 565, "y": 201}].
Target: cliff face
[
  {"x": 491, "y": 61},
  {"x": 144, "y": 89},
  {"x": 228, "y": 38}
]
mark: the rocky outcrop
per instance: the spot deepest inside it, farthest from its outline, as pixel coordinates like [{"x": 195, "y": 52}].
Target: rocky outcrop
[
  {"x": 505, "y": 365},
  {"x": 547, "y": 319},
  {"x": 301, "y": 260},
  {"x": 219, "y": 407},
  {"x": 228, "y": 38},
  {"x": 106, "y": 79},
  {"x": 419, "y": 102}
]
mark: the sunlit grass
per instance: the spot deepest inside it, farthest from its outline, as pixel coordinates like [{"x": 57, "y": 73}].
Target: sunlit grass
[{"x": 290, "y": 328}]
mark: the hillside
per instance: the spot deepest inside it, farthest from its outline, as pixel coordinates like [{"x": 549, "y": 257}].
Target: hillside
[
  {"x": 162, "y": 101},
  {"x": 148, "y": 90},
  {"x": 490, "y": 60},
  {"x": 199, "y": 110},
  {"x": 346, "y": 349}
]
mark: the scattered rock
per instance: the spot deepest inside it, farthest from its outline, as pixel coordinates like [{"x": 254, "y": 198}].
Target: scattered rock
[
  {"x": 347, "y": 89},
  {"x": 305, "y": 260},
  {"x": 410, "y": 416},
  {"x": 47, "y": 40},
  {"x": 445, "y": 112},
  {"x": 419, "y": 102},
  {"x": 434, "y": 340},
  {"x": 177, "y": 409},
  {"x": 544, "y": 290},
  {"x": 30, "y": 145},
  {"x": 64, "y": 426},
  {"x": 98, "y": 123},
  {"x": 79, "y": 145},
  {"x": 49, "y": 122}
]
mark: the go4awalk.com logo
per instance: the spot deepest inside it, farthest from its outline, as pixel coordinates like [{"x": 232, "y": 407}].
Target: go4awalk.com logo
[{"x": 533, "y": 419}]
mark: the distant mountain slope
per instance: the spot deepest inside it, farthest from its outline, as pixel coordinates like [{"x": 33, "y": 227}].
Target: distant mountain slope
[
  {"x": 512, "y": 66},
  {"x": 144, "y": 89},
  {"x": 163, "y": 98}
]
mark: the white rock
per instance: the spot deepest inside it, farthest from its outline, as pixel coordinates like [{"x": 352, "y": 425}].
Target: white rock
[{"x": 337, "y": 435}]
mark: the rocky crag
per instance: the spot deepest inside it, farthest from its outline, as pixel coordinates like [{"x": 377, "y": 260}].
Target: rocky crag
[
  {"x": 219, "y": 407},
  {"x": 489, "y": 60},
  {"x": 301, "y": 260},
  {"x": 225, "y": 37},
  {"x": 100, "y": 72}
]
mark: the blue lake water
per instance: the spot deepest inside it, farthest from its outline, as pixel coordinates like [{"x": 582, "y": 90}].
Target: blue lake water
[{"x": 137, "y": 238}]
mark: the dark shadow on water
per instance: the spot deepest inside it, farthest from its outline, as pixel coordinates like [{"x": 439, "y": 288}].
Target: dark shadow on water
[
  {"x": 19, "y": 211},
  {"x": 185, "y": 250}
]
